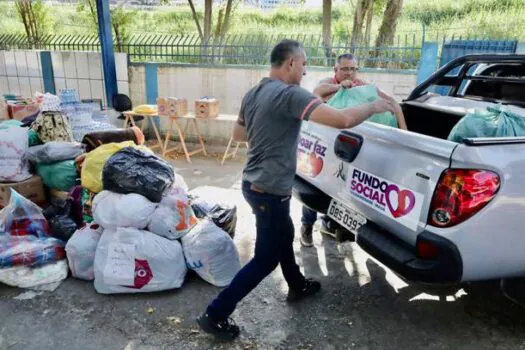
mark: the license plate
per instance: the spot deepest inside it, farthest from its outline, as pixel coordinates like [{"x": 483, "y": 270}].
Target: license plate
[{"x": 346, "y": 217}]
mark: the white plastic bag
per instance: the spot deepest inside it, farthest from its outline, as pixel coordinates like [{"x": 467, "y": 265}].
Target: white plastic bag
[
  {"x": 172, "y": 224},
  {"x": 135, "y": 261},
  {"x": 27, "y": 277},
  {"x": 211, "y": 253},
  {"x": 112, "y": 210},
  {"x": 54, "y": 151},
  {"x": 14, "y": 143},
  {"x": 174, "y": 217},
  {"x": 80, "y": 250}
]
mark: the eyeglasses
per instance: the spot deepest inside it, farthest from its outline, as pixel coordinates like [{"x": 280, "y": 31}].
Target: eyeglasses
[{"x": 349, "y": 69}]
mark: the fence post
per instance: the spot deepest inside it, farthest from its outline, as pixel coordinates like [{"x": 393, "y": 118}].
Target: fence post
[
  {"x": 152, "y": 88},
  {"x": 428, "y": 61},
  {"x": 48, "y": 75},
  {"x": 108, "y": 56}
]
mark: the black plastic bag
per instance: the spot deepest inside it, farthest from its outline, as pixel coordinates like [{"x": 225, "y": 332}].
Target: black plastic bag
[
  {"x": 131, "y": 170},
  {"x": 59, "y": 215},
  {"x": 223, "y": 215}
]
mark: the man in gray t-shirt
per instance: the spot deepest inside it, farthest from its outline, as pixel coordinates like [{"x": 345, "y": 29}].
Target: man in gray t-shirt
[
  {"x": 272, "y": 113},
  {"x": 270, "y": 120}
]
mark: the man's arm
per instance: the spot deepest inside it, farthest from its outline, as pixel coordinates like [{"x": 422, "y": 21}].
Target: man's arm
[
  {"x": 239, "y": 133},
  {"x": 398, "y": 112},
  {"x": 349, "y": 117},
  {"x": 239, "y": 130}
]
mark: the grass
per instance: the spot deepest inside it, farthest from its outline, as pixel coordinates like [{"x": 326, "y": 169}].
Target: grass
[{"x": 481, "y": 18}]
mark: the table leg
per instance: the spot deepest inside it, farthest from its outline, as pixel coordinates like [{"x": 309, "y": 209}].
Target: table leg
[
  {"x": 157, "y": 134},
  {"x": 227, "y": 149},
  {"x": 168, "y": 134},
  {"x": 200, "y": 137}
]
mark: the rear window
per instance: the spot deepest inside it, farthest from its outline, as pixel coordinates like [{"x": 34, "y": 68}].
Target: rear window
[{"x": 508, "y": 87}]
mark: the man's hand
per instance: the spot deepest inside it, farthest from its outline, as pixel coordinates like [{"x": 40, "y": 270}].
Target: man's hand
[
  {"x": 383, "y": 105},
  {"x": 346, "y": 84}
]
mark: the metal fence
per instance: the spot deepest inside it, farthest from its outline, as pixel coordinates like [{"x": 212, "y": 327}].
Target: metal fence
[{"x": 231, "y": 49}]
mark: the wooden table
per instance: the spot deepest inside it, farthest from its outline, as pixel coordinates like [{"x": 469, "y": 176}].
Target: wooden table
[
  {"x": 148, "y": 118},
  {"x": 227, "y": 153},
  {"x": 190, "y": 121}
]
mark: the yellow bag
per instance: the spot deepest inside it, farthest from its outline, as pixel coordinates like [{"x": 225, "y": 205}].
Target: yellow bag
[
  {"x": 145, "y": 109},
  {"x": 91, "y": 175}
]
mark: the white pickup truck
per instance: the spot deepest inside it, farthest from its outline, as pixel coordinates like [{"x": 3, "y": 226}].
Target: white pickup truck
[{"x": 433, "y": 211}]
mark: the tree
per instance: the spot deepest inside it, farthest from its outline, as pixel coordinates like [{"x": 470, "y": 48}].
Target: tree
[
  {"x": 388, "y": 26},
  {"x": 225, "y": 13},
  {"x": 120, "y": 21},
  {"x": 327, "y": 29},
  {"x": 35, "y": 18},
  {"x": 364, "y": 9}
]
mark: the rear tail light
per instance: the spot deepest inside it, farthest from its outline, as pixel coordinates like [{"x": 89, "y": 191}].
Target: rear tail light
[{"x": 461, "y": 194}]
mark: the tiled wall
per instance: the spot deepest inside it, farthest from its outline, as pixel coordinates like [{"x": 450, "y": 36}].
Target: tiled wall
[{"x": 21, "y": 72}]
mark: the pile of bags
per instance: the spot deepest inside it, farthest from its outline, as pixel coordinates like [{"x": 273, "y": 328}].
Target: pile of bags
[
  {"x": 118, "y": 214},
  {"x": 144, "y": 233}
]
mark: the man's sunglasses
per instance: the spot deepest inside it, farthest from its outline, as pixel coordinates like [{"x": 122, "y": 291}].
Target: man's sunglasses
[{"x": 349, "y": 69}]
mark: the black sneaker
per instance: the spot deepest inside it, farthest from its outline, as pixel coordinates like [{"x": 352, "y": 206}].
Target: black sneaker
[
  {"x": 328, "y": 227},
  {"x": 311, "y": 287},
  {"x": 306, "y": 236},
  {"x": 225, "y": 330}
]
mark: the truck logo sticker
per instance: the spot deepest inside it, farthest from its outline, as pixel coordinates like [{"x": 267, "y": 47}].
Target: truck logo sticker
[
  {"x": 310, "y": 154},
  {"x": 402, "y": 207},
  {"x": 390, "y": 199}
]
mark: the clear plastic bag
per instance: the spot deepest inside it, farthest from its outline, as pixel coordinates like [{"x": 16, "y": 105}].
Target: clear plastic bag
[
  {"x": 41, "y": 278},
  {"x": 21, "y": 217},
  {"x": 29, "y": 250}
]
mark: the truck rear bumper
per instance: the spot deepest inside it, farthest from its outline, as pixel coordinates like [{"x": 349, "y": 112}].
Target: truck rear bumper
[{"x": 446, "y": 268}]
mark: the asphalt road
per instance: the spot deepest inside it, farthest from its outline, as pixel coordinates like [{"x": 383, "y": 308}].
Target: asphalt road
[{"x": 362, "y": 305}]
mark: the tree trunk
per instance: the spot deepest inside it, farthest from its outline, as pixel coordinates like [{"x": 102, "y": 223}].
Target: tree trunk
[
  {"x": 327, "y": 30},
  {"x": 369, "y": 18},
  {"x": 227, "y": 18},
  {"x": 357, "y": 28},
  {"x": 207, "y": 19},
  {"x": 389, "y": 24},
  {"x": 196, "y": 19}
]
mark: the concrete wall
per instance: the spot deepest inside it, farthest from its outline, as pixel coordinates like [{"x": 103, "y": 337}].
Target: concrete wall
[
  {"x": 229, "y": 84},
  {"x": 21, "y": 72}
]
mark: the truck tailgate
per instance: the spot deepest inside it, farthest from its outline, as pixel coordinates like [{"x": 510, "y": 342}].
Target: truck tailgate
[{"x": 387, "y": 175}]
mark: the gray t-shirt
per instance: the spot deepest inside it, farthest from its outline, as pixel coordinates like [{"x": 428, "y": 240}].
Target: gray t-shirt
[{"x": 272, "y": 112}]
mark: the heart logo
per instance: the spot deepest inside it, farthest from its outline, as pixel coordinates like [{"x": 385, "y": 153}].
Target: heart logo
[
  {"x": 405, "y": 198},
  {"x": 316, "y": 164}
]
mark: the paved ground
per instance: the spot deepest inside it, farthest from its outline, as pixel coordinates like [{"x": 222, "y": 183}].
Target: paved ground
[{"x": 362, "y": 305}]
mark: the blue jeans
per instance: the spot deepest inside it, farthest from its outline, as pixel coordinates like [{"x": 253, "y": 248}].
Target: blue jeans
[
  {"x": 273, "y": 246},
  {"x": 309, "y": 216}
]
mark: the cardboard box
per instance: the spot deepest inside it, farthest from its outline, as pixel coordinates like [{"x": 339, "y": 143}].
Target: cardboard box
[
  {"x": 207, "y": 108},
  {"x": 32, "y": 189},
  {"x": 21, "y": 110},
  {"x": 172, "y": 106}
]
